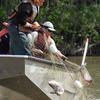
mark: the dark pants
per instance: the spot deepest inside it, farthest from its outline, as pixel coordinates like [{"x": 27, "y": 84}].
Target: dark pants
[{"x": 4, "y": 44}]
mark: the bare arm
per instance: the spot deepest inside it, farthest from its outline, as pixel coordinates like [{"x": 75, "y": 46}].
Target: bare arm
[{"x": 55, "y": 51}]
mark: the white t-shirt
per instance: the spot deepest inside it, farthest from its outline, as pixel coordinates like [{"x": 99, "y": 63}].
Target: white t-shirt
[{"x": 33, "y": 37}]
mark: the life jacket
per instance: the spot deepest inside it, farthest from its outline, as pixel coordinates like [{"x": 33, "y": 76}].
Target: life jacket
[
  {"x": 3, "y": 32},
  {"x": 42, "y": 41}
]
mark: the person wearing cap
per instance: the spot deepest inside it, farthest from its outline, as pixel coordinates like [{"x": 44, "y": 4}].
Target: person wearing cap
[{"x": 42, "y": 41}]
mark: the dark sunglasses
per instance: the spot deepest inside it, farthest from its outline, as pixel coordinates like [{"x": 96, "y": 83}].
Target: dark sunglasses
[{"x": 46, "y": 27}]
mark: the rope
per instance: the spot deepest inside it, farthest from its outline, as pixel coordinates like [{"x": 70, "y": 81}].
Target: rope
[{"x": 66, "y": 67}]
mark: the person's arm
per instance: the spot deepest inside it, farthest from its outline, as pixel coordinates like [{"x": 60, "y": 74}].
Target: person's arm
[
  {"x": 33, "y": 26},
  {"x": 32, "y": 38},
  {"x": 53, "y": 49}
]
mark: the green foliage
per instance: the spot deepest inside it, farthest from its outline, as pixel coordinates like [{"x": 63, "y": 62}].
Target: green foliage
[
  {"x": 75, "y": 22},
  {"x": 3, "y": 15}
]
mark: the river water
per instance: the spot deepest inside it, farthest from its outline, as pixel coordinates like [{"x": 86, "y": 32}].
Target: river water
[{"x": 93, "y": 66}]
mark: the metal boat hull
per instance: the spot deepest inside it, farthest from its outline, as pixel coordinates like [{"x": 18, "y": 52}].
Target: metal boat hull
[{"x": 29, "y": 76}]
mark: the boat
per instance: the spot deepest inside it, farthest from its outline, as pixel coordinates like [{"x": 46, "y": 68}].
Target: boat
[
  {"x": 30, "y": 76},
  {"x": 41, "y": 79}
]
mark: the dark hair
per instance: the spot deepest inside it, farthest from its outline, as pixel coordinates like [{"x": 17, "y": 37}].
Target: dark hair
[{"x": 24, "y": 11}]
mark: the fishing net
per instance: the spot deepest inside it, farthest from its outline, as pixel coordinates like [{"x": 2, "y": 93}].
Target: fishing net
[{"x": 68, "y": 77}]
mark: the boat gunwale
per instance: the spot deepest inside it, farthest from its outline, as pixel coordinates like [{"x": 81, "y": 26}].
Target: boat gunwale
[
  {"x": 41, "y": 60},
  {"x": 32, "y": 58}
]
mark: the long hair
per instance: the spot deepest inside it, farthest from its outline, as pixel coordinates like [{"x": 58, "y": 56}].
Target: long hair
[{"x": 24, "y": 11}]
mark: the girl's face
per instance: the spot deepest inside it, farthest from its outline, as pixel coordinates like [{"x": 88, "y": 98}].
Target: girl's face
[
  {"x": 41, "y": 2},
  {"x": 38, "y": 2},
  {"x": 30, "y": 18}
]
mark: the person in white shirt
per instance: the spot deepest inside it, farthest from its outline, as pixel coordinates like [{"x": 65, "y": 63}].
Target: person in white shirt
[{"x": 41, "y": 40}]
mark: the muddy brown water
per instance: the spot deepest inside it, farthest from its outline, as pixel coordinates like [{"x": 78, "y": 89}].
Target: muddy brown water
[{"x": 93, "y": 66}]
